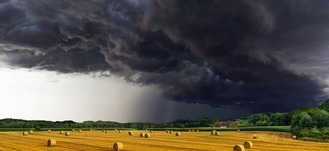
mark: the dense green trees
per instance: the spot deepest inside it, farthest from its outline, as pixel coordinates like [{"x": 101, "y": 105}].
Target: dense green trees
[
  {"x": 267, "y": 119},
  {"x": 311, "y": 122},
  {"x": 17, "y": 123}
]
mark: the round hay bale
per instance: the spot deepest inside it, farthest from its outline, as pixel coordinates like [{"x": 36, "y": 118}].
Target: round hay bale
[
  {"x": 117, "y": 146},
  {"x": 119, "y": 131},
  {"x": 49, "y": 131},
  {"x": 142, "y": 135},
  {"x": 248, "y": 145},
  {"x": 151, "y": 131},
  {"x": 192, "y": 130},
  {"x": 197, "y": 130},
  {"x": 67, "y": 133},
  {"x": 177, "y": 134},
  {"x": 91, "y": 129},
  {"x": 217, "y": 133},
  {"x": 238, "y": 148},
  {"x": 238, "y": 130},
  {"x": 294, "y": 137},
  {"x": 51, "y": 142},
  {"x": 212, "y": 132},
  {"x": 130, "y": 133},
  {"x": 103, "y": 131},
  {"x": 147, "y": 135},
  {"x": 79, "y": 131},
  {"x": 171, "y": 131},
  {"x": 30, "y": 132},
  {"x": 61, "y": 132},
  {"x": 189, "y": 130},
  {"x": 25, "y": 133},
  {"x": 254, "y": 136},
  {"x": 115, "y": 129},
  {"x": 73, "y": 130},
  {"x": 106, "y": 131},
  {"x": 167, "y": 131}
]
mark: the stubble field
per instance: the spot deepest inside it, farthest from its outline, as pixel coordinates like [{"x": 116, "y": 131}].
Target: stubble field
[{"x": 159, "y": 141}]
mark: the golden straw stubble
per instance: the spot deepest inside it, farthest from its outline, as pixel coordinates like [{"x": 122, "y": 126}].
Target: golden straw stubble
[
  {"x": 51, "y": 142},
  {"x": 117, "y": 146}
]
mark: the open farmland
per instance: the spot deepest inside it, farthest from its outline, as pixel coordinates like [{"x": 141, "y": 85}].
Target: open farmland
[{"x": 159, "y": 140}]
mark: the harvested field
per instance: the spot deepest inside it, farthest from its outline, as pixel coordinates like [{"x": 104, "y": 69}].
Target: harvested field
[{"x": 160, "y": 140}]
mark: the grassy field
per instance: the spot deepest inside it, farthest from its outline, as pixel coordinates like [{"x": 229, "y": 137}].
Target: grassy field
[{"x": 159, "y": 140}]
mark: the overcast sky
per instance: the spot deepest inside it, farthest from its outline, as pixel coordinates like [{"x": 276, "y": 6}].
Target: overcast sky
[{"x": 161, "y": 60}]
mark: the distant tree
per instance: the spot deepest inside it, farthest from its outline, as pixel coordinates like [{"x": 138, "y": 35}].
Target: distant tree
[
  {"x": 259, "y": 119},
  {"x": 325, "y": 105}
]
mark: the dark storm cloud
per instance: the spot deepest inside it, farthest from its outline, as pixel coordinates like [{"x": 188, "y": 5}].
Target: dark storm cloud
[{"x": 261, "y": 55}]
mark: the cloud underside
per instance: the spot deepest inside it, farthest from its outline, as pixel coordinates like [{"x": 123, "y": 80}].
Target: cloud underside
[{"x": 259, "y": 55}]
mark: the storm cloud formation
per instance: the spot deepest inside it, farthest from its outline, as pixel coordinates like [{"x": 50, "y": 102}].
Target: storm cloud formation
[{"x": 262, "y": 55}]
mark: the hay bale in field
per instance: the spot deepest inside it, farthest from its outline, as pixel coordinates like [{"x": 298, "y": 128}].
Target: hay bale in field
[
  {"x": 147, "y": 135},
  {"x": 117, "y": 146},
  {"x": 61, "y": 132},
  {"x": 212, "y": 132},
  {"x": 171, "y": 131},
  {"x": 294, "y": 137},
  {"x": 248, "y": 145},
  {"x": 67, "y": 133},
  {"x": 254, "y": 136},
  {"x": 151, "y": 131},
  {"x": 73, "y": 130},
  {"x": 217, "y": 133},
  {"x": 130, "y": 133},
  {"x": 238, "y": 148},
  {"x": 115, "y": 129},
  {"x": 192, "y": 130},
  {"x": 103, "y": 131},
  {"x": 238, "y": 130},
  {"x": 30, "y": 132},
  {"x": 177, "y": 134},
  {"x": 25, "y": 133},
  {"x": 49, "y": 131},
  {"x": 119, "y": 131},
  {"x": 142, "y": 135},
  {"x": 106, "y": 131},
  {"x": 79, "y": 131},
  {"x": 189, "y": 130},
  {"x": 167, "y": 131},
  {"x": 91, "y": 129},
  {"x": 197, "y": 130},
  {"x": 51, "y": 142}
]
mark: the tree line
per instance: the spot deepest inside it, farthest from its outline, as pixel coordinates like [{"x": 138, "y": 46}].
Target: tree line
[{"x": 304, "y": 122}]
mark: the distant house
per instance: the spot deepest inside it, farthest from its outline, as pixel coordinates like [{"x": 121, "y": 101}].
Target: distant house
[{"x": 225, "y": 124}]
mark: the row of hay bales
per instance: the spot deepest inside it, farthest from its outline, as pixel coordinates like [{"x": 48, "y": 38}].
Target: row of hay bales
[
  {"x": 193, "y": 130},
  {"x": 145, "y": 135},
  {"x": 171, "y": 132},
  {"x": 214, "y": 132},
  {"x": 27, "y": 132},
  {"x": 246, "y": 145}
]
